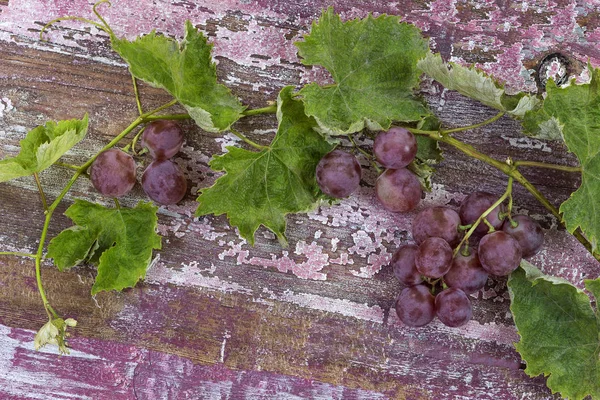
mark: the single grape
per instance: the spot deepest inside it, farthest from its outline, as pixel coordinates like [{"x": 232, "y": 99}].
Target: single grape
[
  {"x": 499, "y": 253},
  {"x": 476, "y": 204},
  {"x": 338, "y": 174},
  {"x": 528, "y": 233},
  {"x": 403, "y": 263},
  {"x": 164, "y": 182},
  {"x": 395, "y": 148},
  {"x": 440, "y": 222},
  {"x": 398, "y": 190},
  {"x": 466, "y": 273},
  {"x": 453, "y": 307},
  {"x": 415, "y": 306},
  {"x": 162, "y": 138},
  {"x": 113, "y": 173},
  {"x": 434, "y": 257}
]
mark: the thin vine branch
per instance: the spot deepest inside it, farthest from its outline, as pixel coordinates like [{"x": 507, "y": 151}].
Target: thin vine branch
[
  {"x": 248, "y": 141},
  {"x": 16, "y": 254},
  {"x": 538, "y": 164},
  {"x": 41, "y": 191},
  {"x": 70, "y": 18}
]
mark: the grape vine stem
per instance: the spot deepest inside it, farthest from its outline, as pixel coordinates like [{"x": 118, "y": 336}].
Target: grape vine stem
[
  {"x": 508, "y": 168},
  {"x": 50, "y": 209},
  {"x": 16, "y": 253}
]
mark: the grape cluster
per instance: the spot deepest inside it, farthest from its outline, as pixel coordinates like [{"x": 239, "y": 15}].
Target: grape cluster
[
  {"x": 444, "y": 266},
  {"x": 338, "y": 173},
  {"x": 436, "y": 265},
  {"x": 113, "y": 172}
]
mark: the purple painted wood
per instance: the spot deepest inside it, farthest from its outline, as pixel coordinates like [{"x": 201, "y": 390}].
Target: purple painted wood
[{"x": 217, "y": 318}]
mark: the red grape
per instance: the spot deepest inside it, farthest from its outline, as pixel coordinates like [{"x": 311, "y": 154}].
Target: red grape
[
  {"x": 113, "y": 173},
  {"x": 398, "y": 190},
  {"x": 338, "y": 174},
  {"x": 164, "y": 182}
]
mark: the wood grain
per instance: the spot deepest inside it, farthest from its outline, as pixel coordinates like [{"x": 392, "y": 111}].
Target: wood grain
[{"x": 216, "y": 318}]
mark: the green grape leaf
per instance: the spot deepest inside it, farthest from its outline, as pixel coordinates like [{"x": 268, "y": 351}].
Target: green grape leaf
[
  {"x": 575, "y": 109},
  {"x": 260, "y": 188},
  {"x": 373, "y": 64},
  {"x": 477, "y": 85},
  {"x": 186, "y": 71},
  {"x": 538, "y": 124},
  {"x": 119, "y": 240},
  {"x": 42, "y": 147},
  {"x": 559, "y": 330}
]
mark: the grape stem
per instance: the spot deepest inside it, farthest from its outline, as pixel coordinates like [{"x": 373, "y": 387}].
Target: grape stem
[
  {"x": 136, "y": 92},
  {"x": 248, "y": 141},
  {"x": 366, "y": 154},
  {"x": 271, "y": 109},
  {"x": 481, "y": 218},
  {"x": 510, "y": 169},
  {"x": 537, "y": 164},
  {"x": 41, "y": 190},
  {"x": 70, "y": 166},
  {"x": 16, "y": 254}
]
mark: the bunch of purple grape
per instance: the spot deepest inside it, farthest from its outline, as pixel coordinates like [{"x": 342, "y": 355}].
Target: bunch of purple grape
[
  {"x": 398, "y": 189},
  {"x": 439, "y": 263},
  {"x": 113, "y": 172},
  {"x": 432, "y": 265}
]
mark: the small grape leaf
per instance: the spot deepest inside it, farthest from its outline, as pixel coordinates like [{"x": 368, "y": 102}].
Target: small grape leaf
[
  {"x": 373, "y": 63},
  {"x": 560, "y": 333},
  {"x": 475, "y": 84},
  {"x": 575, "y": 109},
  {"x": 260, "y": 188},
  {"x": 186, "y": 71},
  {"x": 42, "y": 147},
  {"x": 119, "y": 240}
]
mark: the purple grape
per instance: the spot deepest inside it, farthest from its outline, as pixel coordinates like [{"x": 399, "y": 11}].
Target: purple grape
[
  {"x": 434, "y": 257},
  {"x": 338, "y": 174},
  {"x": 476, "y": 204},
  {"x": 415, "y": 306},
  {"x": 499, "y": 253},
  {"x": 113, "y": 173},
  {"x": 528, "y": 233},
  {"x": 466, "y": 273},
  {"x": 453, "y": 307},
  {"x": 395, "y": 148},
  {"x": 164, "y": 182},
  {"x": 398, "y": 190},
  {"x": 163, "y": 139},
  {"x": 403, "y": 263},
  {"x": 440, "y": 222}
]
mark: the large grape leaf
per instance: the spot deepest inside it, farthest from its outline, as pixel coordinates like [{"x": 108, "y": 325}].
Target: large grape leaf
[
  {"x": 373, "y": 64},
  {"x": 575, "y": 111},
  {"x": 560, "y": 332},
  {"x": 119, "y": 240},
  {"x": 186, "y": 71},
  {"x": 42, "y": 147},
  {"x": 260, "y": 188},
  {"x": 475, "y": 84}
]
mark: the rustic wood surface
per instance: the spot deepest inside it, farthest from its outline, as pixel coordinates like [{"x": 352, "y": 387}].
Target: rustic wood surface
[{"x": 218, "y": 319}]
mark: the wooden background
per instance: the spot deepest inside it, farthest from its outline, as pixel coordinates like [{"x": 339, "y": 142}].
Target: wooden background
[{"x": 218, "y": 319}]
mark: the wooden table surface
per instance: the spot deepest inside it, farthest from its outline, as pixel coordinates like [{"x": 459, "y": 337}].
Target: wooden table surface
[{"x": 216, "y": 318}]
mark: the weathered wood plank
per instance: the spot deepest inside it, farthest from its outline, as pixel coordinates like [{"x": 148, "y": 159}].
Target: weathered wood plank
[{"x": 216, "y": 317}]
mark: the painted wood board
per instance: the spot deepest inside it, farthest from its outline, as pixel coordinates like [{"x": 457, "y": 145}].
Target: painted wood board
[{"x": 217, "y": 318}]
